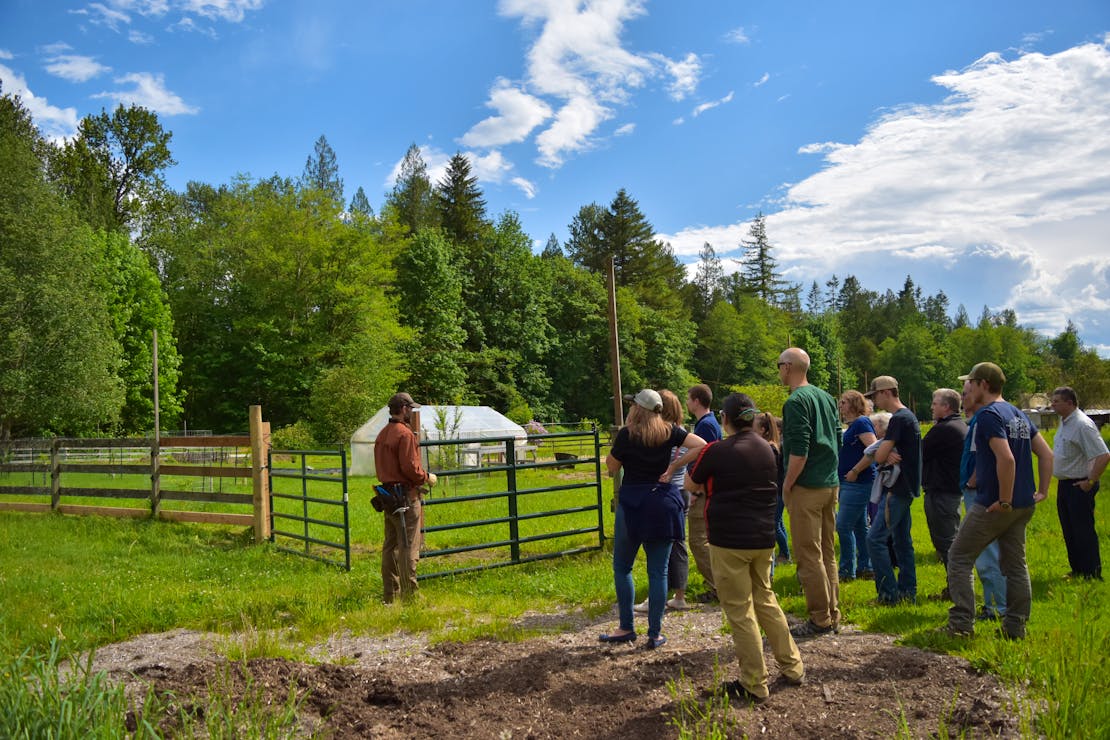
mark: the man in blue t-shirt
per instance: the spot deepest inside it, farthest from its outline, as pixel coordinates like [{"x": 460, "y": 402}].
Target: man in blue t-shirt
[
  {"x": 698, "y": 400},
  {"x": 1003, "y": 442}
]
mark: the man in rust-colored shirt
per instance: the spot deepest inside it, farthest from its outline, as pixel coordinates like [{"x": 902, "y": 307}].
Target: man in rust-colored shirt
[{"x": 398, "y": 466}]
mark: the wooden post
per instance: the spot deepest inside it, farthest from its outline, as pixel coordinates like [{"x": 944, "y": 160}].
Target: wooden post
[
  {"x": 155, "y": 475},
  {"x": 260, "y": 447},
  {"x": 55, "y": 473},
  {"x": 615, "y": 365},
  {"x": 614, "y": 348}
]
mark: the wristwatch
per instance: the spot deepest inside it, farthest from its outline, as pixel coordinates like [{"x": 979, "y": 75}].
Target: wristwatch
[{"x": 1005, "y": 505}]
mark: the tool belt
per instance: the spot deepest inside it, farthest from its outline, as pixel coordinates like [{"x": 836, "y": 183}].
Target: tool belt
[{"x": 389, "y": 497}]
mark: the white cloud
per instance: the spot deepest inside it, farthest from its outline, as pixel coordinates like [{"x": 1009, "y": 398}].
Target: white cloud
[
  {"x": 226, "y": 10},
  {"x": 686, "y": 74},
  {"x": 759, "y": 83},
  {"x": 54, "y": 123},
  {"x": 625, "y": 130},
  {"x": 738, "y": 35},
  {"x": 571, "y": 131},
  {"x": 678, "y": 121},
  {"x": 75, "y": 68},
  {"x": 139, "y": 38},
  {"x": 188, "y": 25},
  {"x": 149, "y": 91},
  {"x": 712, "y": 104},
  {"x": 1009, "y": 175},
  {"x": 518, "y": 114},
  {"x": 5, "y": 54},
  {"x": 527, "y": 187},
  {"x": 491, "y": 167},
  {"x": 102, "y": 15},
  {"x": 579, "y": 66}
]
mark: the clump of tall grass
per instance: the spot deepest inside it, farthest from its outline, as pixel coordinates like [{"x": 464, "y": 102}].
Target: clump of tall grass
[
  {"x": 696, "y": 719},
  {"x": 48, "y": 696},
  {"x": 53, "y": 695}
]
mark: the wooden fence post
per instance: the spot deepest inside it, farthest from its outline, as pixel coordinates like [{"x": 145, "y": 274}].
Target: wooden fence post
[
  {"x": 55, "y": 473},
  {"x": 155, "y": 476},
  {"x": 260, "y": 445}
]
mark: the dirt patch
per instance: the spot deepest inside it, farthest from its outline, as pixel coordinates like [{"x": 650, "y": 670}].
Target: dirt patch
[{"x": 568, "y": 685}]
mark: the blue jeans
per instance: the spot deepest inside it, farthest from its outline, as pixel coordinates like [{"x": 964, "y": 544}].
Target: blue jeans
[
  {"x": 624, "y": 557},
  {"x": 780, "y": 532},
  {"x": 990, "y": 574},
  {"x": 893, "y": 519},
  {"x": 851, "y": 528}
]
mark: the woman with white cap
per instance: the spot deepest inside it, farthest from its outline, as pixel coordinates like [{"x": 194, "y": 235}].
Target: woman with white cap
[{"x": 649, "y": 512}]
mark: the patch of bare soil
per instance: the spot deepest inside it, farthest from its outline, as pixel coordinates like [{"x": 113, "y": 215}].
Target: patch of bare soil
[{"x": 569, "y": 685}]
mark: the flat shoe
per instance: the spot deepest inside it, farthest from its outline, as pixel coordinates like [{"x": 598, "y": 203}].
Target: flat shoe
[
  {"x": 626, "y": 637},
  {"x": 656, "y": 642}
]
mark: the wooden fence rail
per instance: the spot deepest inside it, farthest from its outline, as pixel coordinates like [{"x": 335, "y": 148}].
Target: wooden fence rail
[{"x": 55, "y": 458}]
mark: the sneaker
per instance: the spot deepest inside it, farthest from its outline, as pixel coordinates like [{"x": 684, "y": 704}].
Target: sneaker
[
  {"x": 642, "y": 607},
  {"x": 865, "y": 574},
  {"x": 987, "y": 615},
  {"x": 950, "y": 631},
  {"x": 809, "y": 628},
  {"x": 709, "y": 597},
  {"x": 783, "y": 560},
  {"x": 788, "y": 681},
  {"x": 674, "y": 603},
  {"x": 736, "y": 690},
  {"x": 654, "y": 643}
]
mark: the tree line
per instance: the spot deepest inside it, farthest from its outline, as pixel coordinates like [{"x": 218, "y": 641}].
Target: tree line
[{"x": 281, "y": 292}]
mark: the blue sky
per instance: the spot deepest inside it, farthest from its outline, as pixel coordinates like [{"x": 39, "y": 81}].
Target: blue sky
[{"x": 965, "y": 144}]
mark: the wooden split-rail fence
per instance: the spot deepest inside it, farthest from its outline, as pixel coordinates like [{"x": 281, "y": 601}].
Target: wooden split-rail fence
[{"x": 160, "y": 458}]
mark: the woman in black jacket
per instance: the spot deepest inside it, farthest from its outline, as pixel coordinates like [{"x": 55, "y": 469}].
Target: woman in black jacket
[{"x": 740, "y": 480}]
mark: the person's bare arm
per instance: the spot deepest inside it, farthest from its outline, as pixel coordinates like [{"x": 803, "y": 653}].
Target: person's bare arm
[
  {"x": 612, "y": 465},
  {"x": 1044, "y": 467},
  {"x": 1006, "y": 466}
]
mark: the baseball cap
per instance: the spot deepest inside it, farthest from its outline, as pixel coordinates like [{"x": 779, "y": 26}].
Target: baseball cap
[
  {"x": 882, "y": 383},
  {"x": 400, "y": 400},
  {"x": 648, "y": 399},
  {"x": 987, "y": 371}
]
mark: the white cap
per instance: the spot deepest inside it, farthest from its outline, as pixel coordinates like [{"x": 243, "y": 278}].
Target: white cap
[{"x": 648, "y": 399}]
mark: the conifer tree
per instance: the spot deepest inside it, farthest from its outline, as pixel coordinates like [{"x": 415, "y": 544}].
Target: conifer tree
[
  {"x": 411, "y": 202},
  {"x": 459, "y": 204},
  {"x": 760, "y": 268},
  {"x": 321, "y": 171}
]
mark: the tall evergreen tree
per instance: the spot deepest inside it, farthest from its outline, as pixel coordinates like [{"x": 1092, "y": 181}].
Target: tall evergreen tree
[
  {"x": 759, "y": 266},
  {"x": 321, "y": 171},
  {"x": 411, "y": 203},
  {"x": 459, "y": 204},
  {"x": 552, "y": 249},
  {"x": 361, "y": 204},
  {"x": 641, "y": 262},
  {"x": 814, "y": 304},
  {"x": 708, "y": 278},
  {"x": 962, "y": 319}
]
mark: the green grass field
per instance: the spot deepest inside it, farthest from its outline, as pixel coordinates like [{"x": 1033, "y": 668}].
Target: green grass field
[{"x": 82, "y": 582}]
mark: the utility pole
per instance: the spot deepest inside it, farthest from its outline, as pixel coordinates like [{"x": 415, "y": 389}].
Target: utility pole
[{"x": 615, "y": 365}]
